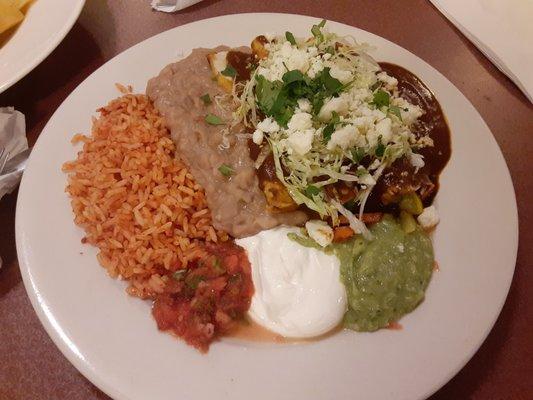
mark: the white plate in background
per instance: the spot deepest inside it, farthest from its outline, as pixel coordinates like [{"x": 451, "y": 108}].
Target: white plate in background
[
  {"x": 112, "y": 338},
  {"x": 46, "y": 23}
]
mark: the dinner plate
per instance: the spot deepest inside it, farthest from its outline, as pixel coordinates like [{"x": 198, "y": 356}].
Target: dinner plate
[
  {"x": 46, "y": 24},
  {"x": 112, "y": 338}
]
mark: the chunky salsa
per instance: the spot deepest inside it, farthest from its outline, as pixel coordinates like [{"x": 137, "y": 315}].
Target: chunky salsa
[{"x": 209, "y": 298}]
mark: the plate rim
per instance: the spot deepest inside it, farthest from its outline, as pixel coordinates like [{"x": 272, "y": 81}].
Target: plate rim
[
  {"x": 114, "y": 392},
  {"x": 46, "y": 51}
]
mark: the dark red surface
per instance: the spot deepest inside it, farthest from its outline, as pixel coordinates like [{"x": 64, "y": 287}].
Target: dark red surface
[{"x": 31, "y": 367}]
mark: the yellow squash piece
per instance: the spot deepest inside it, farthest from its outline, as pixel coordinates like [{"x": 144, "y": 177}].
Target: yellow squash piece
[
  {"x": 277, "y": 197},
  {"x": 411, "y": 203},
  {"x": 258, "y": 47}
]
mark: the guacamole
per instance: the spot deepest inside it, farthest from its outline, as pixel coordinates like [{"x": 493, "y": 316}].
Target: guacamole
[{"x": 385, "y": 278}]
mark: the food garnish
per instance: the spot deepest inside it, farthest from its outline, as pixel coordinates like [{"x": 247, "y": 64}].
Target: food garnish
[
  {"x": 330, "y": 116},
  {"x": 206, "y": 99},
  {"x": 212, "y": 119},
  {"x": 226, "y": 170}
]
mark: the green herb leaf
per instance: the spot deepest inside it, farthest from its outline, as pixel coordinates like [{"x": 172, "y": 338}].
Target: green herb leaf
[
  {"x": 229, "y": 71},
  {"x": 397, "y": 111},
  {"x": 327, "y": 132},
  {"x": 206, "y": 99},
  {"x": 315, "y": 30},
  {"x": 350, "y": 204},
  {"x": 294, "y": 76},
  {"x": 267, "y": 93},
  {"x": 311, "y": 191},
  {"x": 335, "y": 118},
  {"x": 226, "y": 170},
  {"x": 381, "y": 99},
  {"x": 380, "y": 150},
  {"x": 332, "y": 85},
  {"x": 361, "y": 171},
  {"x": 213, "y": 119},
  {"x": 290, "y": 38},
  {"x": 330, "y": 50},
  {"x": 179, "y": 274},
  {"x": 376, "y": 85},
  {"x": 358, "y": 154}
]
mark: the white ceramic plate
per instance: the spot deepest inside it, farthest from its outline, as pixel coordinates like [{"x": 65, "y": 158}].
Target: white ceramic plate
[
  {"x": 46, "y": 24},
  {"x": 112, "y": 339}
]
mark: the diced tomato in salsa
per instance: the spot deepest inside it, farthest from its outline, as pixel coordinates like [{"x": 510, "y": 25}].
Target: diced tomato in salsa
[{"x": 209, "y": 298}]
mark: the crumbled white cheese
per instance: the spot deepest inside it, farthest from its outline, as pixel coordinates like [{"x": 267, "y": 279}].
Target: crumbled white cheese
[
  {"x": 268, "y": 125},
  {"x": 425, "y": 141},
  {"x": 219, "y": 61},
  {"x": 389, "y": 81},
  {"x": 342, "y": 75},
  {"x": 409, "y": 112},
  {"x": 384, "y": 129},
  {"x": 301, "y": 141},
  {"x": 320, "y": 232},
  {"x": 335, "y": 104},
  {"x": 312, "y": 51},
  {"x": 417, "y": 160},
  {"x": 317, "y": 65},
  {"x": 429, "y": 218},
  {"x": 343, "y": 137},
  {"x": 300, "y": 121},
  {"x": 304, "y": 105},
  {"x": 367, "y": 179},
  {"x": 375, "y": 165},
  {"x": 257, "y": 136}
]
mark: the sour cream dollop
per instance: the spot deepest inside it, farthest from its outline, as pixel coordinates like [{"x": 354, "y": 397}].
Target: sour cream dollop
[{"x": 298, "y": 291}]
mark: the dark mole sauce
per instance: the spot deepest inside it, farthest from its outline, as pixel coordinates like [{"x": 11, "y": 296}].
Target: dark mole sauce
[
  {"x": 432, "y": 123},
  {"x": 241, "y": 62}
]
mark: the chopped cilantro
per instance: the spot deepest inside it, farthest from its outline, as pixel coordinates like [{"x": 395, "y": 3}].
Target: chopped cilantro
[
  {"x": 206, "y": 99},
  {"x": 330, "y": 128},
  {"x": 330, "y": 50},
  {"x": 351, "y": 204},
  {"x": 278, "y": 99},
  {"x": 397, "y": 111},
  {"x": 380, "y": 150},
  {"x": 332, "y": 85},
  {"x": 358, "y": 154},
  {"x": 226, "y": 170},
  {"x": 311, "y": 191},
  {"x": 327, "y": 132},
  {"x": 381, "y": 99},
  {"x": 316, "y": 30},
  {"x": 290, "y": 38},
  {"x": 212, "y": 119},
  {"x": 294, "y": 76},
  {"x": 229, "y": 71},
  {"x": 361, "y": 171},
  {"x": 376, "y": 86},
  {"x": 335, "y": 118}
]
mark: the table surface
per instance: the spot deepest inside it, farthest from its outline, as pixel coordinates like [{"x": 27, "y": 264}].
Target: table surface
[{"x": 31, "y": 367}]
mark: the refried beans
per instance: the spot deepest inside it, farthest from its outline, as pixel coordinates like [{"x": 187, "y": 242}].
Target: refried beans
[{"x": 237, "y": 204}]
